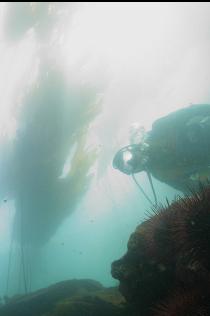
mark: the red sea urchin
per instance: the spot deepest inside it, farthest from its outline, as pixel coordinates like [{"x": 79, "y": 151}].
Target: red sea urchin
[
  {"x": 158, "y": 234},
  {"x": 166, "y": 269},
  {"x": 181, "y": 231},
  {"x": 191, "y": 229}
]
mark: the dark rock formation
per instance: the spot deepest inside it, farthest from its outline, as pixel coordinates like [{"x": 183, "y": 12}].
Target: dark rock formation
[
  {"x": 73, "y": 297},
  {"x": 190, "y": 302},
  {"x": 167, "y": 253}
]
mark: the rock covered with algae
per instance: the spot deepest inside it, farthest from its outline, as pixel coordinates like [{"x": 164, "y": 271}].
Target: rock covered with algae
[{"x": 73, "y": 297}]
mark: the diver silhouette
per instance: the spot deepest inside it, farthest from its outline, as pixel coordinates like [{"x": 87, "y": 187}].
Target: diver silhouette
[{"x": 175, "y": 151}]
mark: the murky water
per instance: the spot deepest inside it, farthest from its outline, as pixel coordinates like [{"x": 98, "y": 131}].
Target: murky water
[{"x": 74, "y": 77}]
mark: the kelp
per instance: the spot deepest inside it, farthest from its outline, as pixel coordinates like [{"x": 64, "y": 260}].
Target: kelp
[{"x": 53, "y": 118}]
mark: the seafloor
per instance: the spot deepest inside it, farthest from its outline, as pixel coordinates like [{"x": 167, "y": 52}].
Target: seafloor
[{"x": 165, "y": 271}]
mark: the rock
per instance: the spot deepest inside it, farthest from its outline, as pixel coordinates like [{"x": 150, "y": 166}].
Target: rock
[
  {"x": 166, "y": 253},
  {"x": 73, "y": 297}
]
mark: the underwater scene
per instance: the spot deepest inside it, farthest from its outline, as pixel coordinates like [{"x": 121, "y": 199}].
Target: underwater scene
[{"x": 104, "y": 159}]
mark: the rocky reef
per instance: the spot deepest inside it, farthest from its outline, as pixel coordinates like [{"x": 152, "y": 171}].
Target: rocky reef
[
  {"x": 73, "y": 297},
  {"x": 165, "y": 271}
]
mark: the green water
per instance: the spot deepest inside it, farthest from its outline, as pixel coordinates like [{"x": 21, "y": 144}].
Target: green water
[{"x": 74, "y": 77}]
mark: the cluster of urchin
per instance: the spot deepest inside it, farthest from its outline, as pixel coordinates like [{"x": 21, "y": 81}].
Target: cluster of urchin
[{"x": 166, "y": 270}]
